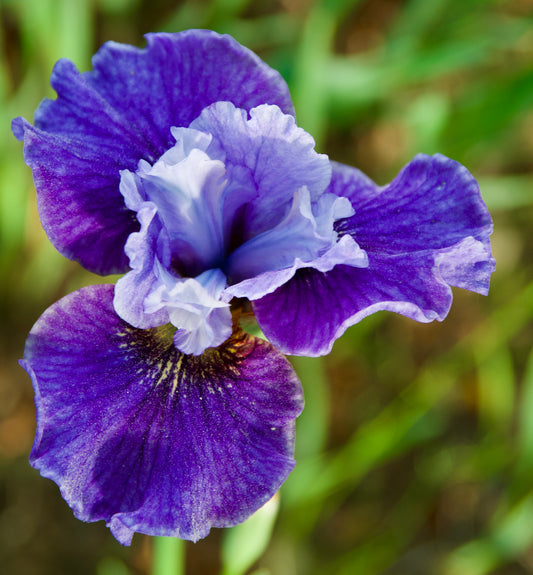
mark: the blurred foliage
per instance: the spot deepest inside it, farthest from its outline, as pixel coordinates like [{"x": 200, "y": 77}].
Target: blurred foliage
[{"x": 415, "y": 450}]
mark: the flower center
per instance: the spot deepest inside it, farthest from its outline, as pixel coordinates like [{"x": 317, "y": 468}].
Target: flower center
[{"x": 203, "y": 238}]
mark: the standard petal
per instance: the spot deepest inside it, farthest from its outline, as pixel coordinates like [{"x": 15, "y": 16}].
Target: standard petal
[
  {"x": 426, "y": 231},
  {"x": 134, "y": 287},
  {"x": 108, "y": 119},
  {"x": 147, "y": 438},
  {"x": 298, "y": 235},
  {"x": 279, "y": 156}
]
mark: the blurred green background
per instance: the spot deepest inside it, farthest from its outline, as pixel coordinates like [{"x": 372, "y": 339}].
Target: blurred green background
[{"x": 415, "y": 450}]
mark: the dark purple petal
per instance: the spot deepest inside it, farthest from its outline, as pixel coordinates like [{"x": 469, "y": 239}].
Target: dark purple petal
[
  {"x": 307, "y": 314},
  {"x": 424, "y": 232},
  {"x": 108, "y": 119},
  {"x": 147, "y": 438},
  {"x": 433, "y": 204},
  {"x": 351, "y": 183},
  {"x": 80, "y": 207}
]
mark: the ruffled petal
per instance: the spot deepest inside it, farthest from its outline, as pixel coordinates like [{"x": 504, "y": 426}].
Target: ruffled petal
[
  {"x": 176, "y": 76},
  {"x": 302, "y": 235},
  {"x": 426, "y": 231},
  {"x": 187, "y": 194},
  {"x": 307, "y": 314},
  {"x": 279, "y": 156},
  {"x": 433, "y": 204},
  {"x": 151, "y": 440},
  {"x": 108, "y": 119},
  {"x": 133, "y": 288},
  {"x": 196, "y": 306},
  {"x": 345, "y": 251}
]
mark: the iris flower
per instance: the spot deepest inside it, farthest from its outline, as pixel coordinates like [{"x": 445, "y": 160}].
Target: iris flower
[{"x": 181, "y": 166}]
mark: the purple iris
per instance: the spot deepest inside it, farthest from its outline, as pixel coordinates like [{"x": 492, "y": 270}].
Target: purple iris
[{"x": 181, "y": 166}]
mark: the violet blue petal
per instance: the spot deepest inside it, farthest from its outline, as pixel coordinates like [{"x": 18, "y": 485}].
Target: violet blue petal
[
  {"x": 80, "y": 208},
  {"x": 122, "y": 111},
  {"x": 278, "y": 155},
  {"x": 148, "y": 439},
  {"x": 424, "y": 232},
  {"x": 433, "y": 204}
]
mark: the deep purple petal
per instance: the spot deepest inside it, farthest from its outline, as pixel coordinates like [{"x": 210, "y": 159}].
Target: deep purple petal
[
  {"x": 433, "y": 203},
  {"x": 426, "y": 231},
  {"x": 80, "y": 207},
  {"x": 176, "y": 76},
  {"x": 307, "y": 314},
  {"x": 349, "y": 182},
  {"x": 147, "y": 438},
  {"x": 108, "y": 119}
]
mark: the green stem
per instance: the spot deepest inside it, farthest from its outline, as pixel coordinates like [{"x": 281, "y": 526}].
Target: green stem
[{"x": 168, "y": 556}]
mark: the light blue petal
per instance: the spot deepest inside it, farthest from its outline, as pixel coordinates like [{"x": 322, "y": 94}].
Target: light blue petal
[
  {"x": 132, "y": 288},
  {"x": 300, "y": 236},
  {"x": 195, "y": 306},
  {"x": 279, "y": 156},
  {"x": 345, "y": 252},
  {"x": 188, "y": 196}
]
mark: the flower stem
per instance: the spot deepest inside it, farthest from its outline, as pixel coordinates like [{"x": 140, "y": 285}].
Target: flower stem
[{"x": 168, "y": 556}]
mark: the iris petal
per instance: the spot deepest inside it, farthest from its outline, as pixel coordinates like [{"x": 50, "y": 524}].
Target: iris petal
[
  {"x": 147, "y": 438},
  {"x": 424, "y": 232},
  {"x": 301, "y": 240},
  {"x": 301, "y": 234},
  {"x": 278, "y": 155},
  {"x": 433, "y": 203},
  {"x": 187, "y": 195}
]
